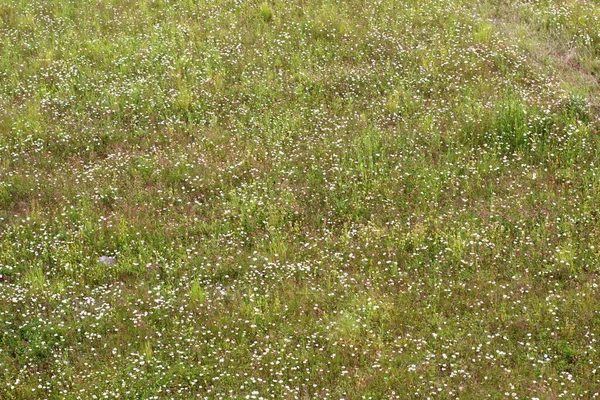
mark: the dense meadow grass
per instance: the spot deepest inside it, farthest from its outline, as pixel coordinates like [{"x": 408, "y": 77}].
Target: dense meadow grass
[{"x": 306, "y": 199}]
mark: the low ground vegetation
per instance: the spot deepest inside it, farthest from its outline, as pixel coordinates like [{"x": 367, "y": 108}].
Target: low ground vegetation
[{"x": 299, "y": 199}]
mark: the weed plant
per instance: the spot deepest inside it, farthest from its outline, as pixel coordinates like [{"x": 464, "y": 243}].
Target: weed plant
[{"x": 305, "y": 199}]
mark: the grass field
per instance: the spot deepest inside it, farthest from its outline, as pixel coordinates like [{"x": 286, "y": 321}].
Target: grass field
[{"x": 306, "y": 199}]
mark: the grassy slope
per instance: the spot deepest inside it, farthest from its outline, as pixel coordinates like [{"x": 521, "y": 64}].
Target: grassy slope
[{"x": 307, "y": 199}]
